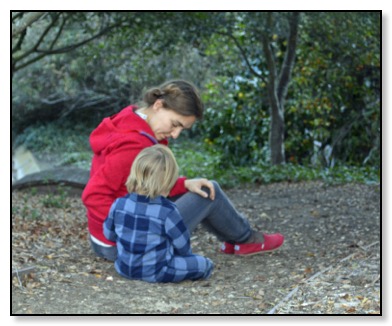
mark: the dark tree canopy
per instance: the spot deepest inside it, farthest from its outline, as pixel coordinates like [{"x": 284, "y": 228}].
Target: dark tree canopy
[{"x": 278, "y": 86}]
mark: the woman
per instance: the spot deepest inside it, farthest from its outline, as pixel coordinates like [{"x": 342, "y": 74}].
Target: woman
[{"x": 166, "y": 111}]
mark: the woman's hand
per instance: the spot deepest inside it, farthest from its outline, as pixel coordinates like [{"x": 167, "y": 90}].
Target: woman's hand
[{"x": 195, "y": 185}]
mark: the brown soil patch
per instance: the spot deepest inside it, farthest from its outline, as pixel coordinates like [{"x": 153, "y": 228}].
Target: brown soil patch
[{"x": 329, "y": 264}]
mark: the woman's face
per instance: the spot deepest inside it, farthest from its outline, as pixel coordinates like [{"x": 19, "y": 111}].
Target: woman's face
[{"x": 167, "y": 123}]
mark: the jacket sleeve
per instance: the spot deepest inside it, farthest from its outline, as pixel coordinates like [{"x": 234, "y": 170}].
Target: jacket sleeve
[{"x": 179, "y": 187}]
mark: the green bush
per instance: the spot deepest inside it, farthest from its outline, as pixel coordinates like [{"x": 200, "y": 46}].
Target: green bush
[{"x": 196, "y": 157}]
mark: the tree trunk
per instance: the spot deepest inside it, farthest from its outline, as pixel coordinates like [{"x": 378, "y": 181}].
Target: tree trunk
[
  {"x": 277, "y": 87},
  {"x": 276, "y": 138}
]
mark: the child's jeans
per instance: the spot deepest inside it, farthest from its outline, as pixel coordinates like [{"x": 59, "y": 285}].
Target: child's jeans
[{"x": 218, "y": 215}]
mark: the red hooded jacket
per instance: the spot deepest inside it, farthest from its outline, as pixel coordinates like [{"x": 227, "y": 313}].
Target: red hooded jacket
[{"x": 115, "y": 143}]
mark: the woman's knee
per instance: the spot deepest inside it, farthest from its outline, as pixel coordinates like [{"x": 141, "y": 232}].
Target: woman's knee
[{"x": 217, "y": 188}]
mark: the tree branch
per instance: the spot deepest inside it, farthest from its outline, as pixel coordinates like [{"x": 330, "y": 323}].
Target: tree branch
[
  {"x": 76, "y": 45},
  {"x": 39, "y": 41},
  {"x": 26, "y": 21},
  {"x": 18, "y": 44},
  {"x": 288, "y": 62},
  {"x": 274, "y": 101},
  {"x": 244, "y": 55},
  {"x": 61, "y": 28},
  {"x": 44, "y": 52}
]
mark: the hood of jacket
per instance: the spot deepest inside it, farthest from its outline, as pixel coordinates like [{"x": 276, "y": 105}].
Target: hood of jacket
[{"x": 125, "y": 126}]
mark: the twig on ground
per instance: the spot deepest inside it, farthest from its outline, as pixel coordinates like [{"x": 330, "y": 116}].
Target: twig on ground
[
  {"x": 23, "y": 271},
  {"x": 375, "y": 280}
]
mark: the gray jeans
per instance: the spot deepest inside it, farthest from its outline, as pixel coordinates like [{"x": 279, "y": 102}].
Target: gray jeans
[{"x": 219, "y": 216}]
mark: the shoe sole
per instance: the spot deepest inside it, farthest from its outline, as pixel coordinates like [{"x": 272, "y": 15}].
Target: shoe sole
[{"x": 258, "y": 252}]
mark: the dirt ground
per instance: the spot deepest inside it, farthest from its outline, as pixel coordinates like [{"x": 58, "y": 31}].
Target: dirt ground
[{"x": 329, "y": 264}]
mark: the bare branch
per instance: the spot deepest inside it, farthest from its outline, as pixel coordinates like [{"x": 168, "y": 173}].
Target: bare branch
[
  {"x": 76, "y": 45},
  {"x": 22, "y": 271},
  {"x": 40, "y": 53},
  {"x": 288, "y": 62},
  {"x": 18, "y": 44},
  {"x": 244, "y": 55},
  {"x": 37, "y": 44},
  {"x": 60, "y": 30},
  {"x": 26, "y": 21},
  {"x": 26, "y": 63}
]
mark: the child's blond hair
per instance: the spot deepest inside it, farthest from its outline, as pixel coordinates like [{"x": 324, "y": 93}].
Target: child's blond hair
[{"x": 154, "y": 172}]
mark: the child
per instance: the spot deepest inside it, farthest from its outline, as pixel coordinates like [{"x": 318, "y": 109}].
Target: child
[{"x": 153, "y": 243}]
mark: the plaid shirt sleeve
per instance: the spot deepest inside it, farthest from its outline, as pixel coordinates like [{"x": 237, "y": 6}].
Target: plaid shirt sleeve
[
  {"x": 178, "y": 233},
  {"x": 108, "y": 225}
]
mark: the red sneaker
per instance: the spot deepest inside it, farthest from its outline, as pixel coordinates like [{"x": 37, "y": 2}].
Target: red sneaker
[
  {"x": 227, "y": 248},
  {"x": 271, "y": 242}
]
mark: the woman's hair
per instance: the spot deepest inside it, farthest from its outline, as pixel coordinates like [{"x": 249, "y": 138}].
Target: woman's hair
[
  {"x": 154, "y": 172},
  {"x": 177, "y": 95}
]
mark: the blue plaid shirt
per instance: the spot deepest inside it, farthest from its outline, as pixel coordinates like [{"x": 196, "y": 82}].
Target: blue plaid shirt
[{"x": 152, "y": 240}]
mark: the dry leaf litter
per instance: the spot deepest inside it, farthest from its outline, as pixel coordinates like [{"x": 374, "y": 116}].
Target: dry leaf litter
[{"x": 329, "y": 264}]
